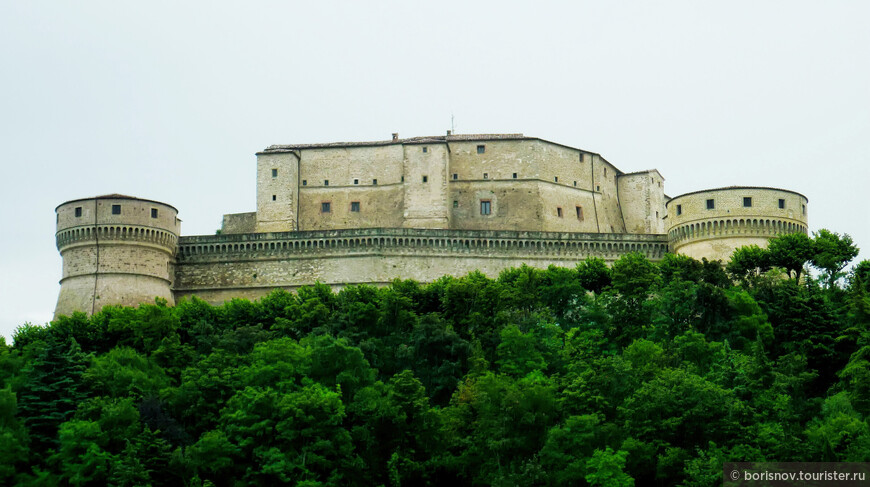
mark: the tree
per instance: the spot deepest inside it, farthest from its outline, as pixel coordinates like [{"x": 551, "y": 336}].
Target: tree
[
  {"x": 791, "y": 252},
  {"x": 594, "y": 274},
  {"x": 748, "y": 262},
  {"x": 832, "y": 253},
  {"x": 606, "y": 469}
]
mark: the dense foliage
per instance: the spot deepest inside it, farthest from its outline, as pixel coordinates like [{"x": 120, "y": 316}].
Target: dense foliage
[{"x": 643, "y": 373}]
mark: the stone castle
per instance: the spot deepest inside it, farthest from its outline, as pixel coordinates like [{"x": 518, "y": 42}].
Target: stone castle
[{"x": 414, "y": 208}]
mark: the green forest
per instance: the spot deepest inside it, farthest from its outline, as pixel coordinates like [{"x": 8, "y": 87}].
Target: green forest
[{"x": 638, "y": 373}]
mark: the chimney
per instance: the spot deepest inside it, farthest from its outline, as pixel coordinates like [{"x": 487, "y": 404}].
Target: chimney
[
  {"x": 395, "y": 137},
  {"x": 449, "y": 132}
]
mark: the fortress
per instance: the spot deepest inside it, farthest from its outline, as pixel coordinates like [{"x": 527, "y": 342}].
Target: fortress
[{"x": 415, "y": 208}]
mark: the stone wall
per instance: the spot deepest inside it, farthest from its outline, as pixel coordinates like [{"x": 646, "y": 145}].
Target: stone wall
[{"x": 216, "y": 268}]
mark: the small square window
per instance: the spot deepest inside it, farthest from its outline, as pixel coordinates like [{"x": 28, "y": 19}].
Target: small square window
[
  {"x": 485, "y": 175},
  {"x": 354, "y": 206},
  {"x": 374, "y": 182},
  {"x": 425, "y": 150},
  {"x": 455, "y": 176},
  {"x": 559, "y": 211},
  {"x": 711, "y": 204},
  {"x": 356, "y": 181},
  {"x": 326, "y": 182},
  {"x": 747, "y": 201},
  {"x": 515, "y": 175},
  {"x": 274, "y": 173},
  {"x": 485, "y": 207},
  {"x": 679, "y": 209},
  {"x": 304, "y": 182},
  {"x": 425, "y": 179},
  {"x": 325, "y": 207},
  {"x": 581, "y": 157},
  {"x": 455, "y": 204},
  {"x": 116, "y": 209},
  {"x": 274, "y": 197},
  {"x": 153, "y": 212},
  {"x": 78, "y": 211},
  {"x": 781, "y": 204},
  {"x": 556, "y": 179},
  {"x": 579, "y": 213},
  {"x": 481, "y": 149}
]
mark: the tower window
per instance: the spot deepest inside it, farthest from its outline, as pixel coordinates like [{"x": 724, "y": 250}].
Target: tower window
[
  {"x": 679, "y": 209},
  {"x": 485, "y": 175},
  {"x": 515, "y": 175},
  {"x": 304, "y": 182},
  {"x": 804, "y": 209},
  {"x": 455, "y": 204},
  {"x": 356, "y": 181},
  {"x": 116, "y": 209},
  {"x": 455, "y": 176},
  {"x": 481, "y": 149},
  {"x": 403, "y": 179},
  {"x": 579, "y": 213},
  {"x": 485, "y": 207},
  {"x": 326, "y": 182},
  {"x": 711, "y": 204},
  {"x": 325, "y": 207},
  {"x": 153, "y": 212},
  {"x": 274, "y": 197},
  {"x": 559, "y": 211},
  {"x": 274, "y": 173},
  {"x": 425, "y": 150},
  {"x": 354, "y": 206},
  {"x": 425, "y": 179},
  {"x": 556, "y": 179},
  {"x": 79, "y": 211},
  {"x": 374, "y": 182},
  {"x": 575, "y": 184},
  {"x": 581, "y": 157},
  {"x": 781, "y": 204},
  {"x": 605, "y": 172},
  {"x": 747, "y": 201},
  {"x": 597, "y": 188}
]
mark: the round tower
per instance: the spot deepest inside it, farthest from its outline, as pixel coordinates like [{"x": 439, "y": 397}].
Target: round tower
[
  {"x": 116, "y": 249},
  {"x": 713, "y": 223}
]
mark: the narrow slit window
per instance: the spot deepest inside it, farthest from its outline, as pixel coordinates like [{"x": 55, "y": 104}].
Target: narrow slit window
[
  {"x": 556, "y": 179},
  {"x": 274, "y": 197},
  {"x": 116, "y": 209},
  {"x": 579, "y": 213},
  {"x": 581, "y": 157},
  {"x": 679, "y": 209},
  {"x": 354, "y": 206},
  {"x": 425, "y": 179},
  {"x": 79, "y": 211},
  {"x": 575, "y": 184},
  {"x": 559, "y": 211},
  {"x": 485, "y": 207}
]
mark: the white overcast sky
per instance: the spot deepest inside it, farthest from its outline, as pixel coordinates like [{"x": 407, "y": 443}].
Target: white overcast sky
[{"x": 170, "y": 100}]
